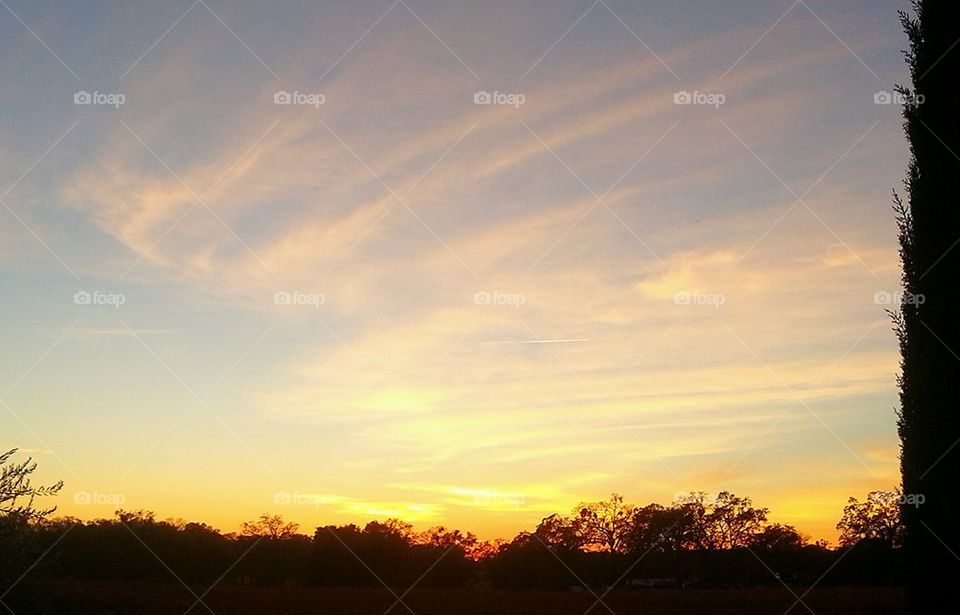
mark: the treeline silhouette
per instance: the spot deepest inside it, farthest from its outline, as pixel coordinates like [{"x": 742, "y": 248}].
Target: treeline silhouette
[{"x": 698, "y": 541}]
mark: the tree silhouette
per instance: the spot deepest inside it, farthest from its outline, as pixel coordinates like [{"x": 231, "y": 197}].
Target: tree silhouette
[
  {"x": 724, "y": 522},
  {"x": 18, "y": 549},
  {"x": 560, "y": 532},
  {"x": 660, "y": 529},
  {"x": 926, "y": 325},
  {"x": 697, "y": 540},
  {"x": 876, "y": 518},
  {"x": 732, "y": 521},
  {"x": 17, "y": 494},
  {"x": 269, "y": 526},
  {"x": 695, "y": 521},
  {"x": 778, "y": 537},
  {"x": 443, "y": 538},
  {"x": 606, "y": 524}
]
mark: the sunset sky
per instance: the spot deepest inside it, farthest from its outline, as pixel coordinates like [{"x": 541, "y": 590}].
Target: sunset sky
[{"x": 681, "y": 296}]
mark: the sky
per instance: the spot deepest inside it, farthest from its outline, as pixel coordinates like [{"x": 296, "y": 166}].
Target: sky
[{"x": 462, "y": 263}]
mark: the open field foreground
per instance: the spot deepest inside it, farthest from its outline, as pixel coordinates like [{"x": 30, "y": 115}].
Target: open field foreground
[{"x": 150, "y": 599}]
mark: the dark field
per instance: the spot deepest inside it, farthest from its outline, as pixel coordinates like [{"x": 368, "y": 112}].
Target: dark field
[{"x": 115, "y": 598}]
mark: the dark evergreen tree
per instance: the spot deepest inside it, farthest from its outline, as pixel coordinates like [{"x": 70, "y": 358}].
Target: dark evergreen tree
[{"x": 927, "y": 321}]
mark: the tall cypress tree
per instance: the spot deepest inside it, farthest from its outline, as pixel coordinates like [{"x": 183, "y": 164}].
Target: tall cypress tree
[{"x": 927, "y": 323}]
